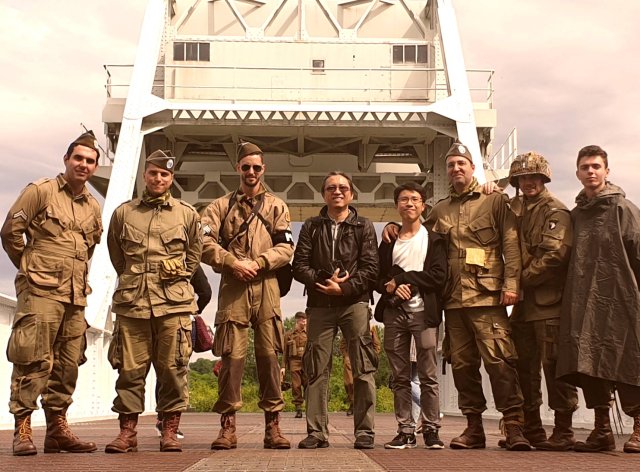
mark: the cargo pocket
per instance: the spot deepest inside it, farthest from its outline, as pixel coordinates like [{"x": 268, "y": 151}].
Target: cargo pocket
[
  {"x": 114, "y": 354},
  {"x": 26, "y": 340},
  {"x": 175, "y": 241},
  {"x": 178, "y": 291},
  {"x": 552, "y": 331},
  {"x": 484, "y": 230},
  {"x": 83, "y": 346},
  {"x": 367, "y": 361},
  {"x": 184, "y": 348},
  {"x": 132, "y": 240},
  {"x": 504, "y": 345},
  {"x": 223, "y": 339},
  {"x": 45, "y": 271}
]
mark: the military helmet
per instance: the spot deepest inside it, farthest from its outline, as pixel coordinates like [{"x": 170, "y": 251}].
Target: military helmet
[{"x": 528, "y": 164}]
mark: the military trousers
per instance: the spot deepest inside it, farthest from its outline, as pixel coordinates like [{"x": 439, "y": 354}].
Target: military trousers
[
  {"x": 322, "y": 328},
  {"x": 46, "y": 346},
  {"x": 230, "y": 343},
  {"x": 536, "y": 343},
  {"x": 136, "y": 345},
  {"x": 598, "y": 393},
  {"x": 298, "y": 381},
  {"x": 399, "y": 327},
  {"x": 483, "y": 334}
]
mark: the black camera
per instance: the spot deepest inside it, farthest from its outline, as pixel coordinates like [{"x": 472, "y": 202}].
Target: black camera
[{"x": 394, "y": 301}]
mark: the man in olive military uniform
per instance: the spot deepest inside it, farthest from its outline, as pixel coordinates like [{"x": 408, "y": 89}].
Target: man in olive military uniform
[
  {"x": 484, "y": 278},
  {"x": 295, "y": 342},
  {"x": 155, "y": 243},
  {"x": 544, "y": 226},
  {"x": 62, "y": 225},
  {"x": 347, "y": 371},
  {"x": 247, "y": 236}
]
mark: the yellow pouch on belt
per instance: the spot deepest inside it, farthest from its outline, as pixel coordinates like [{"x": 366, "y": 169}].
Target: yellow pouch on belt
[{"x": 475, "y": 256}]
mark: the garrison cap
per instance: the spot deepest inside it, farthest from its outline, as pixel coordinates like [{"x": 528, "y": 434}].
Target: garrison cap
[
  {"x": 246, "y": 149},
  {"x": 87, "y": 139},
  {"x": 459, "y": 149},
  {"x": 301, "y": 314},
  {"x": 162, "y": 159}
]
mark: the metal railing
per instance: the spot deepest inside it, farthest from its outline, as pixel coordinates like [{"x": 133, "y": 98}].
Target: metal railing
[{"x": 297, "y": 83}]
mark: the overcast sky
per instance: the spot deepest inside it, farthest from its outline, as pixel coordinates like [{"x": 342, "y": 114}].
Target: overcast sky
[{"x": 567, "y": 75}]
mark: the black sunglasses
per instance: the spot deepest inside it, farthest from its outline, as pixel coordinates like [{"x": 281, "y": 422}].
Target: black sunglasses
[{"x": 256, "y": 168}]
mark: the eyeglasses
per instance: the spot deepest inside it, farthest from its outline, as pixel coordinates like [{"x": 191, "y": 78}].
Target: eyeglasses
[
  {"x": 257, "y": 168},
  {"x": 414, "y": 200},
  {"x": 333, "y": 188}
]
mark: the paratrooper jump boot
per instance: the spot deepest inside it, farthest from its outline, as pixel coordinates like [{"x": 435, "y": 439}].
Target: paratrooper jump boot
[
  {"x": 562, "y": 438},
  {"x": 22, "y": 437},
  {"x": 127, "y": 440},
  {"x": 515, "y": 440},
  {"x": 273, "y": 438},
  {"x": 633, "y": 444},
  {"x": 601, "y": 438},
  {"x": 169, "y": 440},
  {"x": 227, "y": 436},
  {"x": 60, "y": 438},
  {"x": 473, "y": 436}
]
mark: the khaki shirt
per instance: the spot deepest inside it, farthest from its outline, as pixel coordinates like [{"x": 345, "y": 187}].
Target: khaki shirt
[
  {"x": 259, "y": 299},
  {"x": 484, "y": 253},
  {"x": 544, "y": 225},
  {"x": 61, "y": 233},
  {"x": 295, "y": 342},
  {"x": 140, "y": 237}
]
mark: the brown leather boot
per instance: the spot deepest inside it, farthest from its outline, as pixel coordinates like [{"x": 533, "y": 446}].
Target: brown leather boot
[
  {"x": 562, "y": 438},
  {"x": 473, "y": 436},
  {"x": 533, "y": 429},
  {"x": 515, "y": 440},
  {"x": 22, "y": 437},
  {"x": 273, "y": 438},
  {"x": 227, "y": 436},
  {"x": 60, "y": 438},
  {"x": 170, "y": 423},
  {"x": 601, "y": 438},
  {"x": 632, "y": 445},
  {"x": 127, "y": 440}
]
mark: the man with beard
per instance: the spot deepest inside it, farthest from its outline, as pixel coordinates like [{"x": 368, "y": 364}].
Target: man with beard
[
  {"x": 600, "y": 320},
  {"x": 62, "y": 224},
  {"x": 247, "y": 236}
]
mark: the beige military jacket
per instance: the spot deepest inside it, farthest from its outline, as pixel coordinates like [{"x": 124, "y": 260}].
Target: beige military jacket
[
  {"x": 140, "y": 237},
  {"x": 484, "y": 253},
  {"x": 259, "y": 299},
  {"x": 295, "y": 342},
  {"x": 61, "y": 233},
  {"x": 544, "y": 225}
]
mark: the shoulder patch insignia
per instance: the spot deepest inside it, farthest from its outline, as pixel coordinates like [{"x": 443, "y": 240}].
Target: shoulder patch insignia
[
  {"x": 206, "y": 229},
  {"x": 20, "y": 214},
  {"x": 553, "y": 224}
]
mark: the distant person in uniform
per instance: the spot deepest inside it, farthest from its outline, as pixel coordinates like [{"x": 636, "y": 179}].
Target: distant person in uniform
[
  {"x": 203, "y": 292},
  {"x": 295, "y": 342},
  {"x": 599, "y": 348},
  {"x": 337, "y": 261},
  {"x": 61, "y": 222},
  {"x": 413, "y": 272},
  {"x": 247, "y": 236},
  {"x": 347, "y": 371},
  {"x": 484, "y": 278},
  {"x": 544, "y": 226},
  {"x": 155, "y": 243}
]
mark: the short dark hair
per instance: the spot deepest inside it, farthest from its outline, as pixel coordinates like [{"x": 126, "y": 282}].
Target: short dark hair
[
  {"x": 342, "y": 174},
  {"x": 590, "y": 151},
  {"x": 411, "y": 186}
]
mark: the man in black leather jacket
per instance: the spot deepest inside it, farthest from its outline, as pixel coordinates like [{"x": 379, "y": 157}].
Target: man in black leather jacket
[{"x": 337, "y": 260}]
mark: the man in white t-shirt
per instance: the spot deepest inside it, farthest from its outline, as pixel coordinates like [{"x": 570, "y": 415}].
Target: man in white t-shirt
[{"x": 413, "y": 271}]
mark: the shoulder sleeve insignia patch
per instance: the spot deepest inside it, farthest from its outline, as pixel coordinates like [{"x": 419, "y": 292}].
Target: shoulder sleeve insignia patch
[
  {"x": 206, "y": 229},
  {"x": 20, "y": 214},
  {"x": 553, "y": 224}
]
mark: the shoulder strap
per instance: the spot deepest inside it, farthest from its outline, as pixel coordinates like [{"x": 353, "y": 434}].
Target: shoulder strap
[{"x": 255, "y": 211}]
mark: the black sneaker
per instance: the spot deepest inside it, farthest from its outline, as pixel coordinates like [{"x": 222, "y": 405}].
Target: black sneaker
[
  {"x": 364, "y": 442},
  {"x": 402, "y": 441},
  {"x": 311, "y": 442},
  {"x": 431, "y": 439}
]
